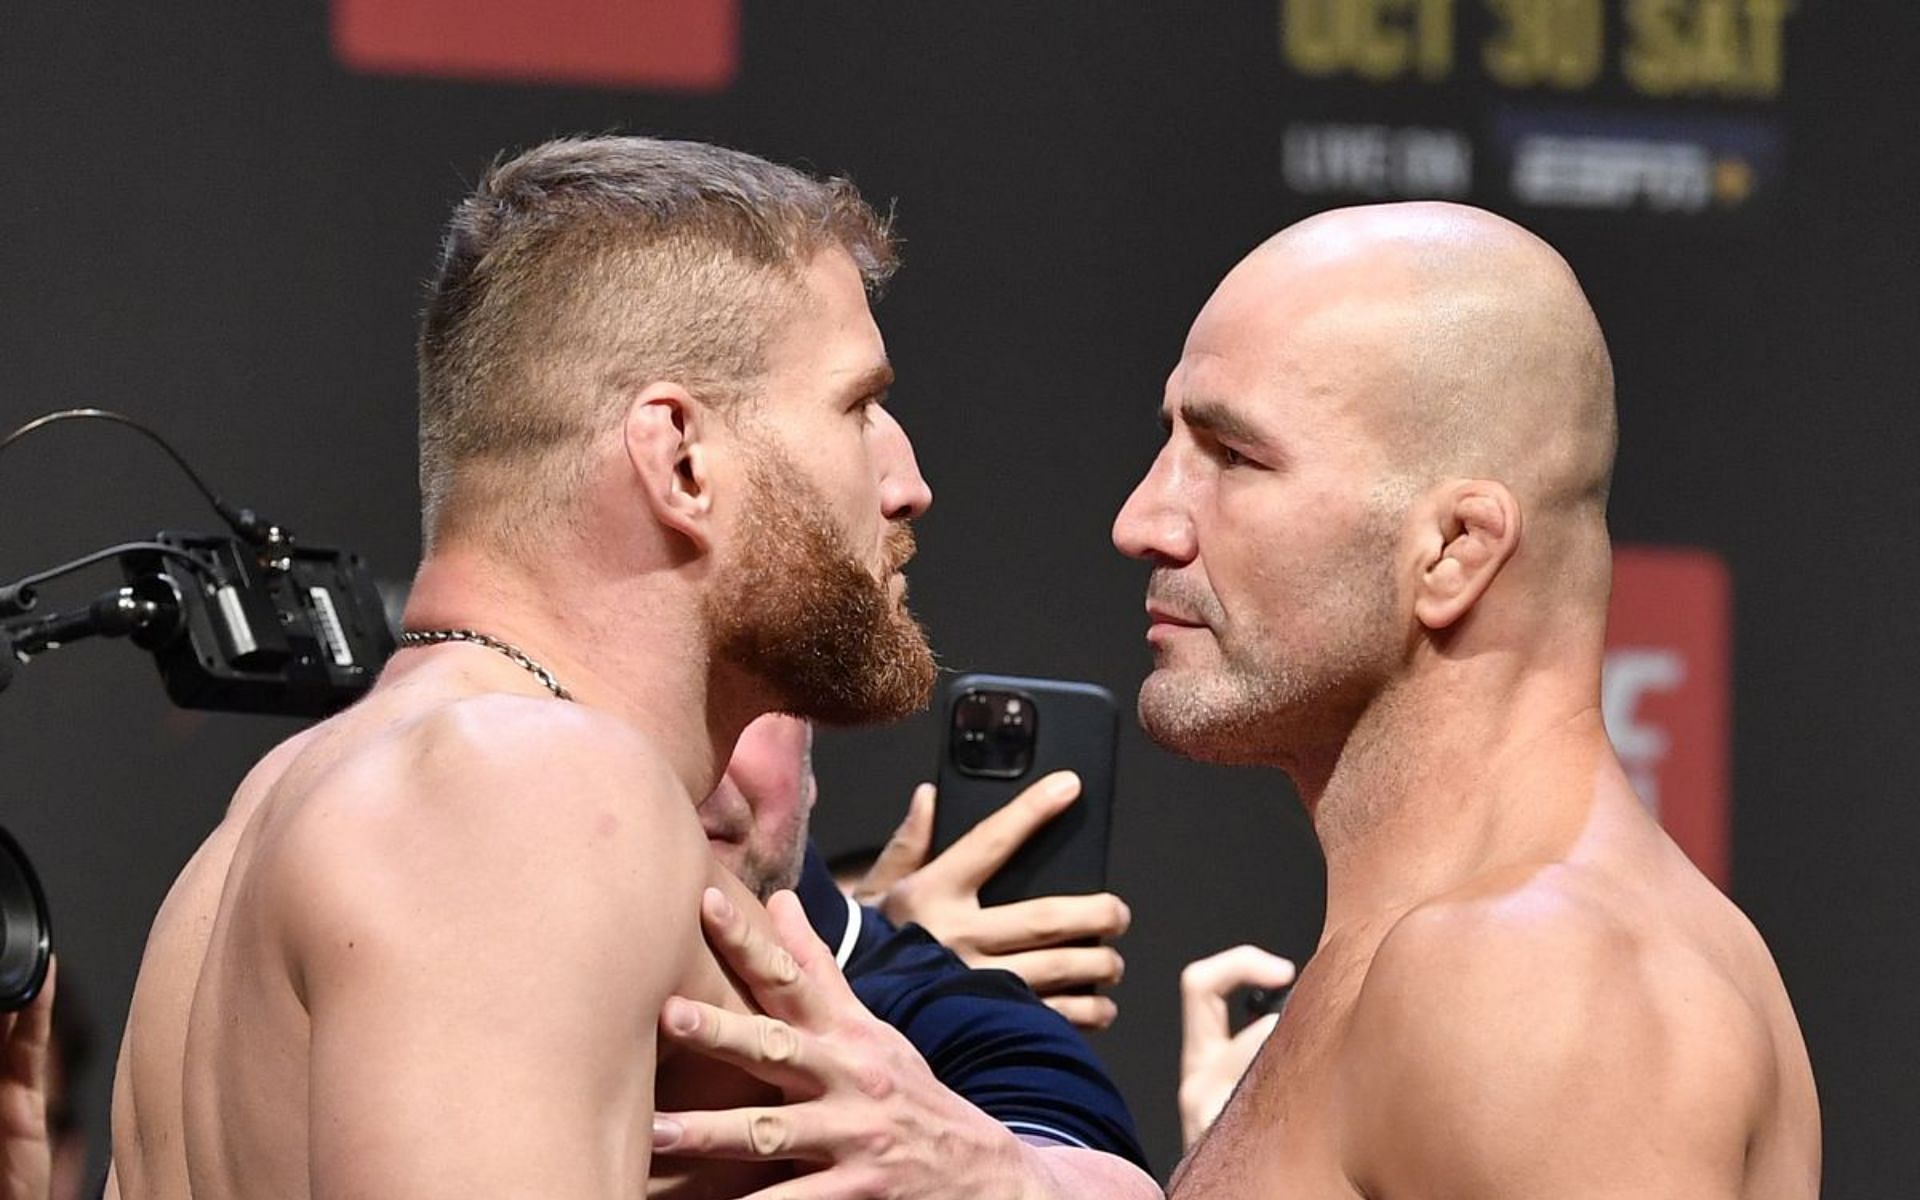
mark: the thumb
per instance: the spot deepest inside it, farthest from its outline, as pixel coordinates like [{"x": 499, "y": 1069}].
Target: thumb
[{"x": 905, "y": 852}]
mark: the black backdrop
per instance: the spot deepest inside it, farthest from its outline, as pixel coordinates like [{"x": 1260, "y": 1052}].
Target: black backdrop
[{"x": 211, "y": 224}]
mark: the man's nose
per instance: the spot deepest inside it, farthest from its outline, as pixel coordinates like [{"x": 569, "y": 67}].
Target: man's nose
[
  {"x": 904, "y": 493},
  {"x": 1152, "y": 525}
]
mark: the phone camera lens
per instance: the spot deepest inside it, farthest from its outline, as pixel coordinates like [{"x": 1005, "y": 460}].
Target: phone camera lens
[{"x": 993, "y": 734}]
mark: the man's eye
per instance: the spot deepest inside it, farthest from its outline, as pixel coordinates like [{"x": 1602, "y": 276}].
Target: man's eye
[{"x": 1232, "y": 457}]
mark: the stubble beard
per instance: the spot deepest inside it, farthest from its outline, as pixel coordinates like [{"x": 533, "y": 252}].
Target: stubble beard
[
  {"x": 799, "y": 611},
  {"x": 1272, "y": 700}
]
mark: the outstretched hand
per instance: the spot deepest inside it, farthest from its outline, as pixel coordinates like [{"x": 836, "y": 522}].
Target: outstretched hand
[
  {"x": 1031, "y": 938},
  {"x": 1212, "y": 1056},
  {"x": 26, "y": 1149},
  {"x": 862, "y": 1111}
]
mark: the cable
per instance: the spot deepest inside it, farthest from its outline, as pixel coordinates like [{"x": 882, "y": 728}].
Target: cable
[
  {"x": 18, "y": 597},
  {"x": 243, "y": 521}
]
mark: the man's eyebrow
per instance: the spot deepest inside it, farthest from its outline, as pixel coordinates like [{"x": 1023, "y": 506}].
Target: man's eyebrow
[
  {"x": 1215, "y": 417},
  {"x": 871, "y": 384}
]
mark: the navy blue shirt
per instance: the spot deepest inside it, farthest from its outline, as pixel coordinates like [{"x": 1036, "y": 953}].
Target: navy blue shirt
[{"x": 986, "y": 1036}]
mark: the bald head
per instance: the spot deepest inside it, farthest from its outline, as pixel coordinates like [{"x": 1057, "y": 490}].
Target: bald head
[
  {"x": 1390, "y": 436},
  {"x": 1465, "y": 342}
]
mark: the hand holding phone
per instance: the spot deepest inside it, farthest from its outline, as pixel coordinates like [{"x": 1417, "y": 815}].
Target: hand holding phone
[{"x": 1035, "y": 939}]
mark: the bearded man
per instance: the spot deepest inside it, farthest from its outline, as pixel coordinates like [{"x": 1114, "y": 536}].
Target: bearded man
[{"x": 427, "y": 951}]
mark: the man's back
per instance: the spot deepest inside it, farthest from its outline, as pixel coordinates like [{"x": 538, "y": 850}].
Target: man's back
[
  {"x": 1604, "y": 1024},
  {"x": 376, "y": 945}
]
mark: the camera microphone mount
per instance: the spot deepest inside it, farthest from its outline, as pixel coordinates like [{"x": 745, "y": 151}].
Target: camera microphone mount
[
  {"x": 120, "y": 612},
  {"x": 247, "y": 623}
]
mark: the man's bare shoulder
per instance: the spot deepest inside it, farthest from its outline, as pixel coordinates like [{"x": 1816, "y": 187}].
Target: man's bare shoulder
[
  {"x": 439, "y": 820},
  {"x": 1531, "y": 1036},
  {"x": 489, "y": 760}
]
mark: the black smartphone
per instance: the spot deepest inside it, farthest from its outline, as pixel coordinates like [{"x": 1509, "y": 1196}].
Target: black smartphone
[{"x": 1003, "y": 733}]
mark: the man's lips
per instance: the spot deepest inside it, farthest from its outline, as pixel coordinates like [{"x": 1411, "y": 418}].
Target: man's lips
[
  {"x": 1160, "y": 616},
  {"x": 1163, "y": 625}
]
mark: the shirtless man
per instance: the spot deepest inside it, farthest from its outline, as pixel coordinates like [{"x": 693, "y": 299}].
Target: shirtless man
[
  {"x": 426, "y": 952},
  {"x": 429, "y": 950},
  {"x": 1381, "y": 565}
]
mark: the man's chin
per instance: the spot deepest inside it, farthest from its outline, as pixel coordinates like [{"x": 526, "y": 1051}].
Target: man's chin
[
  {"x": 1182, "y": 713},
  {"x": 891, "y": 692},
  {"x": 890, "y": 677}
]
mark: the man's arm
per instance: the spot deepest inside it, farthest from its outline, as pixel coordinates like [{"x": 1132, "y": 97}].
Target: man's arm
[
  {"x": 1545, "y": 1050},
  {"x": 483, "y": 946},
  {"x": 863, "y": 1106}
]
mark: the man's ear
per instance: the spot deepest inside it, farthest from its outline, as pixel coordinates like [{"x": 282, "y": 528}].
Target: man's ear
[
  {"x": 1476, "y": 530},
  {"x": 668, "y": 446}
]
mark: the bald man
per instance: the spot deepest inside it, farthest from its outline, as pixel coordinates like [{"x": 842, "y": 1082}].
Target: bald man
[{"x": 1381, "y": 564}]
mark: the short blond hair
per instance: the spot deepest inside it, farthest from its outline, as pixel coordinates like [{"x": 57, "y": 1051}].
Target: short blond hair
[{"x": 587, "y": 266}]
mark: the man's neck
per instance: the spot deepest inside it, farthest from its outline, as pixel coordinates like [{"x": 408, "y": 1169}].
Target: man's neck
[
  {"x": 632, "y": 647},
  {"x": 1450, "y": 777}
]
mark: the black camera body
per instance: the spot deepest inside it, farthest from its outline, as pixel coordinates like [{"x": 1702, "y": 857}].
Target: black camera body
[{"x": 292, "y": 630}]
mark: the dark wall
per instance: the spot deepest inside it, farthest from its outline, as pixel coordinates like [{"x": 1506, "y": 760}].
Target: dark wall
[{"x": 210, "y": 224}]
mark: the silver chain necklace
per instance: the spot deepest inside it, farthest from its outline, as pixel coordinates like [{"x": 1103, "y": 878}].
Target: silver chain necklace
[{"x": 436, "y": 637}]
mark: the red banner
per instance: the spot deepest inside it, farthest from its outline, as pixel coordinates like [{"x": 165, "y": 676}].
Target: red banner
[
  {"x": 675, "y": 45},
  {"x": 1667, "y": 695}
]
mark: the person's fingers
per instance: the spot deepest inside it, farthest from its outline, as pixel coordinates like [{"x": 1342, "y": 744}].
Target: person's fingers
[
  {"x": 1087, "y": 1012},
  {"x": 807, "y": 1132},
  {"x": 905, "y": 851},
  {"x": 1246, "y": 1044},
  {"x": 38, "y": 1018},
  {"x": 1047, "y": 921},
  {"x": 1237, "y": 967},
  {"x": 27, "y": 1035},
  {"x": 1205, "y": 984},
  {"x": 1207, "y": 1082},
  {"x": 788, "y": 918},
  {"x": 766, "y": 1048},
  {"x": 1064, "y": 967},
  {"x": 755, "y": 953},
  {"x": 985, "y": 848},
  {"x": 823, "y": 991}
]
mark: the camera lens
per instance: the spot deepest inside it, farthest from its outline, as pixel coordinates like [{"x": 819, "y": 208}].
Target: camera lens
[
  {"x": 993, "y": 734},
  {"x": 973, "y": 714},
  {"x": 26, "y": 938}
]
